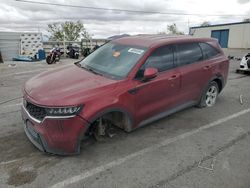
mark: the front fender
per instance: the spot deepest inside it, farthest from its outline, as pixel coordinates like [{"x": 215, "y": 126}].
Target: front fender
[
  {"x": 129, "y": 125},
  {"x": 97, "y": 108}
]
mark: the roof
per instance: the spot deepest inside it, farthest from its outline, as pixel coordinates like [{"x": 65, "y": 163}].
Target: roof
[
  {"x": 216, "y": 25},
  {"x": 157, "y": 40},
  {"x": 117, "y": 36}
]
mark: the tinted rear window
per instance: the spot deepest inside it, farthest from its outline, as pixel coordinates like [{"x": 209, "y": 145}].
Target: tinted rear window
[
  {"x": 189, "y": 53},
  {"x": 208, "y": 50}
]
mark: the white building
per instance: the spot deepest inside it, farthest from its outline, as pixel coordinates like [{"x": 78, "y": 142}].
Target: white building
[
  {"x": 13, "y": 44},
  {"x": 230, "y": 35}
]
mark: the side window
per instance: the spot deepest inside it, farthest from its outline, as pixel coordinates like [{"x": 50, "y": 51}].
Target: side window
[
  {"x": 189, "y": 53},
  {"x": 208, "y": 50},
  {"x": 162, "y": 59}
]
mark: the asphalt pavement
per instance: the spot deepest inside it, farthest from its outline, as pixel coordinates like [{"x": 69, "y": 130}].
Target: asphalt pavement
[{"x": 200, "y": 148}]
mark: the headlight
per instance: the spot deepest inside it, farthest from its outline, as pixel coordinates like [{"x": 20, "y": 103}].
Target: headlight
[{"x": 63, "y": 111}]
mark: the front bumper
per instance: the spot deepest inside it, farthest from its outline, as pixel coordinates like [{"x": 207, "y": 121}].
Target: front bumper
[{"x": 57, "y": 136}]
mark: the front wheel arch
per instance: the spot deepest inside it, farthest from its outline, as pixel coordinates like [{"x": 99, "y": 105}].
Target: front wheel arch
[{"x": 127, "y": 117}]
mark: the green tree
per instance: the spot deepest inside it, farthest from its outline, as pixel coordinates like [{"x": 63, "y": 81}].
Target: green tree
[
  {"x": 73, "y": 31},
  {"x": 173, "y": 30},
  {"x": 205, "y": 23}
]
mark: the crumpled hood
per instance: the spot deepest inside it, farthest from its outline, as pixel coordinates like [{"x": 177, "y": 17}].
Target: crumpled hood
[{"x": 67, "y": 85}]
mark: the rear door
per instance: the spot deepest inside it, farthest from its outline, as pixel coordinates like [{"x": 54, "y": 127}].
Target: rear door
[
  {"x": 195, "y": 73},
  {"x": 161, "y": 93}
]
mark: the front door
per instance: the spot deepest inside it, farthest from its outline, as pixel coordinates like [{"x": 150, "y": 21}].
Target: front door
[{"x": 160, "y": 94}]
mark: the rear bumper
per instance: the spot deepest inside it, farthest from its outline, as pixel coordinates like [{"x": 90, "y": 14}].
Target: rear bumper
[{"x": 56, "y": 136}]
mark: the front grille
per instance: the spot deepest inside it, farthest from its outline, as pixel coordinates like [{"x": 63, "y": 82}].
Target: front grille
[{"x": 36, "y": 111}]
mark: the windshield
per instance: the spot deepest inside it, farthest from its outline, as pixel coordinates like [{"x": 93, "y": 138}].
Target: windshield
[{"x": 113, "y": 60}]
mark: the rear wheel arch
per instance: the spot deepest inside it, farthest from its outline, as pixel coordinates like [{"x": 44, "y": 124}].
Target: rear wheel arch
[
  {"x": 219, "y": 81},
  {"x": 206, "y": 95}
]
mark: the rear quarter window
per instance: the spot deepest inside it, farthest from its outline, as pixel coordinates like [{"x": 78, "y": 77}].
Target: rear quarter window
[{"x": 208, "y": 50}]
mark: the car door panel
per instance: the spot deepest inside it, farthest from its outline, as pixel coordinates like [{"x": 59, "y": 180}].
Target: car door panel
[
  {"x": 160, "y": 93},
  {"x": 194, "y": 78},
  {"x": 157, "y": 95},
  {"x": 195, "y": 72}
]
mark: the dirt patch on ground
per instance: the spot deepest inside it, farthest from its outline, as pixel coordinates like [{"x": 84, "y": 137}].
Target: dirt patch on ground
[
  {"x": 21, "y": 161},
  {"x": 17, "y": 177},
  {"x": 24, "y": 171}
]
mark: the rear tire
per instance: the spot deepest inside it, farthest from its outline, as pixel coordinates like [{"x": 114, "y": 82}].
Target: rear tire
[{"x": 209, "y": 96}]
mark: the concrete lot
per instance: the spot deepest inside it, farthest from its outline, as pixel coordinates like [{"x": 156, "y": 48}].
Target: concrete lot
[{"x": 193, "y": 148}]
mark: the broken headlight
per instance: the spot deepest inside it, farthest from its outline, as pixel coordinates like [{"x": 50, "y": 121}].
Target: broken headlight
[{"x": 63, "y": 111}]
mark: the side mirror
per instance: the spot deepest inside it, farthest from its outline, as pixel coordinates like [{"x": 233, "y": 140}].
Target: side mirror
[{"x": 150, "y": 73}]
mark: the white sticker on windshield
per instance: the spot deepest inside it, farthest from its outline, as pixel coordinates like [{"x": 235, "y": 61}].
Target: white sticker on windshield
[{"x": 135, "y": 51}]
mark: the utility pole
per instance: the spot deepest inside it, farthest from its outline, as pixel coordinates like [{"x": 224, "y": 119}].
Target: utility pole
[{"x": 64, "y": 47}]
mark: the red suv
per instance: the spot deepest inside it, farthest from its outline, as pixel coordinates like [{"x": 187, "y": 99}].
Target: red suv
[{"x": 126, "y": 83}]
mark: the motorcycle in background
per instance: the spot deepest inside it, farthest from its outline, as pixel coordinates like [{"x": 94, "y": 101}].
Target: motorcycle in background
[
  {"x": 73, "y": 51},
  {"x": 54, "y": 55}
]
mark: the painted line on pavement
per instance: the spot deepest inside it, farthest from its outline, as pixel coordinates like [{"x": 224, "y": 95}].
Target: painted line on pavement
[
  {"x": 25, "y": 72},
  {"x": 11, "y": 105},
  {"x": 12, "y": 161},
  {"x": 117, "y": 162}
]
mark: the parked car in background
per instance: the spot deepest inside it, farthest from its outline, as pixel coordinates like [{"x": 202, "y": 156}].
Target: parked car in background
[
  {"x": 126, "y": 83},
  {"x": 244, "y": 64}
]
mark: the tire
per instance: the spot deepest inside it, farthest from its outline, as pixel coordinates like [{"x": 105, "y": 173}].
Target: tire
[
  {"x": 48, "y": 59},
  {"x": 209, "y": 96}
]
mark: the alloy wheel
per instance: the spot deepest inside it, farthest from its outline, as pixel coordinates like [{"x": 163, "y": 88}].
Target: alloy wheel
[{"x": 211, "y": 95}]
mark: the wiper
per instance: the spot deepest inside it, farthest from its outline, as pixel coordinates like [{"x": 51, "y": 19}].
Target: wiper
[
  {"x": 91, "y": 70},
  {"x": 78, "y": 64},
  {"x": 95, "y": 72}
]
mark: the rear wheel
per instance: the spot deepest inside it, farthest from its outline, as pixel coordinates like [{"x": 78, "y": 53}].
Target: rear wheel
[{"x": 209, "y": 97}]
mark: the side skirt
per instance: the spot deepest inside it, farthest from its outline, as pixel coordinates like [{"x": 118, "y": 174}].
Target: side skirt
[{"x": 167, "y": 113}]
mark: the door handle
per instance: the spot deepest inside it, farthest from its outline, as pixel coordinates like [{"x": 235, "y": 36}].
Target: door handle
[
  {"x": 207, "y": 67},
  {"x": 134, "y": 90},
  {"x": 173, "y": 77}
]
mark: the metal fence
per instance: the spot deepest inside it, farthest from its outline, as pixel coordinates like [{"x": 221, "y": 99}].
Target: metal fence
[
  {"x": 47, "y": 46},
  {"x": 10, "y": 44}
]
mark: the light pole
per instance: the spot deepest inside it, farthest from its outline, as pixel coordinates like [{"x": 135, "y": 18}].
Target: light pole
[{"x": 64, "y": 46}]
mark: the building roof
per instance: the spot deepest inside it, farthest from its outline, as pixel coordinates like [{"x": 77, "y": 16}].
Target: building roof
[
  {"x": 216, "y": 25},
  {"x": 157, "y": 40}
]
